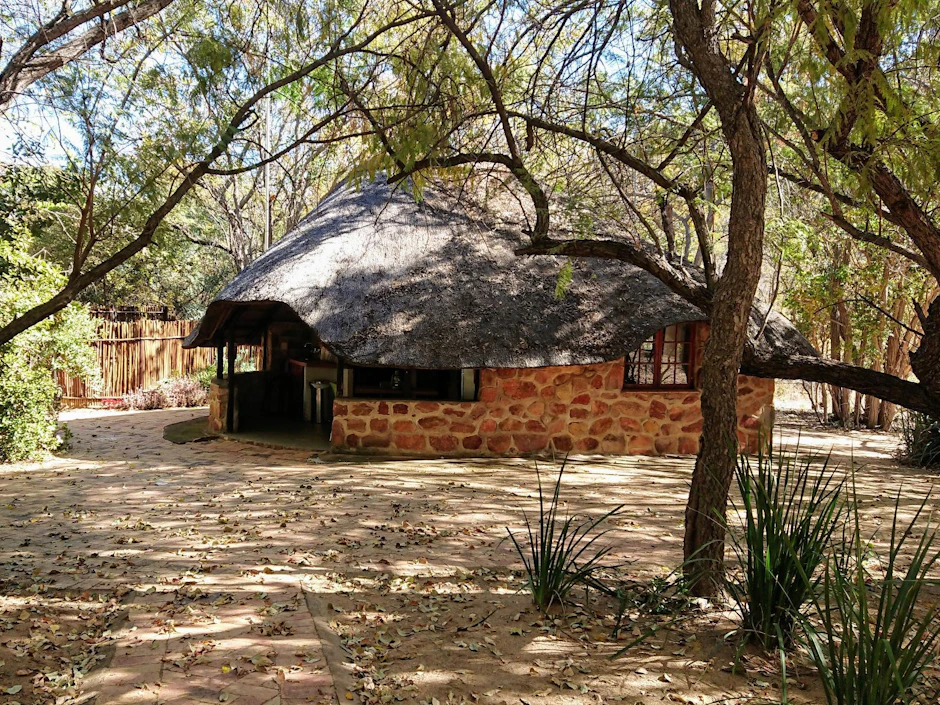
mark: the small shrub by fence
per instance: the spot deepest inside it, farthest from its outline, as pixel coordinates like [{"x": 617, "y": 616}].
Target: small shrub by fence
[{"x": 135, "y": 354}]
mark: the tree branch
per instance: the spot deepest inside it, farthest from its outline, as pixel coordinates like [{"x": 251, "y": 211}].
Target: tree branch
[
  {"x": 679, "y": 281},
  {"x": 880, "y": 240},
  {"x": 910, "y": 395},
  {"x": 25, "y": 67},
  {"x": 191, "y": 177},
  {"x": 519, "y": 170}
]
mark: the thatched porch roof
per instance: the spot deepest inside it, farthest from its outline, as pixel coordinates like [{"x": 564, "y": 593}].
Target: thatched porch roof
[{"x": 385, "y": 280}]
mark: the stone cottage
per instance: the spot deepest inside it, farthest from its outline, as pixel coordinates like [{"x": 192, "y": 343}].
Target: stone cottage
[{"x": 407, "y": 326}]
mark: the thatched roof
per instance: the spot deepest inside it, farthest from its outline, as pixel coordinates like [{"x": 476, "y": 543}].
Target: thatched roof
[{"x": 385, "y": 280}]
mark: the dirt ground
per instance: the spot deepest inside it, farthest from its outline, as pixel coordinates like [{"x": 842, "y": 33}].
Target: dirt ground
[{"x": 136, "y": 570}]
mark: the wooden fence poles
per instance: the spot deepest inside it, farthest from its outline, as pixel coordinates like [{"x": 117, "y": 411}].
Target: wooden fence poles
[{"x": 135, "y": 354}]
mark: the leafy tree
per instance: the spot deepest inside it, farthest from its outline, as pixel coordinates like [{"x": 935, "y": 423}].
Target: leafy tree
[
  {"x": 484, "y": 81},
  {"x": 854, "y": 87},
  {"x": 139, "y": 134},
  {"x": 662, "y": 125},
  {"x": 48, "y": 36},
  {"x": 657, "y": 117}
]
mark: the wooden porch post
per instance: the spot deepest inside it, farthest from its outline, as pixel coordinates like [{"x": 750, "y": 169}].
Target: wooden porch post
[
  {"x": 230, "y": 409},
  {"x": 219, "y": 361},
  {"x": 265, "y": 342}
]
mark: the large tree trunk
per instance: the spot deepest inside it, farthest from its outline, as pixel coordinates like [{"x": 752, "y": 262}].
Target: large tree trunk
[
  {"x": 714, "y": 468},
  {"x": 733, "y": 299}
]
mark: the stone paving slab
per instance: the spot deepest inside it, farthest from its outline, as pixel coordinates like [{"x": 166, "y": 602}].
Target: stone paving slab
[{"x": 258, "y": 647}]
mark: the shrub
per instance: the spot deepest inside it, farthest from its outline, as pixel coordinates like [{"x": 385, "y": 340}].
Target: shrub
[
  {"x": 28, "y": 363},
  {"x": 173, "y": 391},
  {"x": 205, "y": 376},
  {"x": 559, "y": 553},
  {"x": 920, "y": 439},
  {"x": 874, "y": 640},
  {"x": 184, "y": 391},
  {"x": 791, "y": 507},
  {"x": 145, "y": 399},
  {"x": 27, "y": 409}
]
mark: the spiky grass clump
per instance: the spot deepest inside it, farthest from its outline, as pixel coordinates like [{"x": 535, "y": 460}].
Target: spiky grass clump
[
  {"x": 559, "y": 553},
  {"x": 920, "y": 439},
  {"x": 873, "y": 638},
  {"x": 791, "y": 506}
]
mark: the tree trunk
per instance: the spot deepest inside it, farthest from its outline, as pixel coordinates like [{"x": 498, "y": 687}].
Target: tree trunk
[
  {"x": 704, "y": 546},
  {"x": 733, "y": 299},
  {"x": 839, "y": 396},
  {"x": 925, "y": 361},
  {"x": 873, "y": 406}
]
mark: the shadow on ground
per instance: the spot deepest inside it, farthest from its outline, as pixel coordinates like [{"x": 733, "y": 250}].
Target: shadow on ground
[{"x": 254, "y": 575}]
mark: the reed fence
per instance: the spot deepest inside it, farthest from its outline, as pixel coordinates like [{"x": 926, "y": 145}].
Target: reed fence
[{"x": 134, "y": 354}]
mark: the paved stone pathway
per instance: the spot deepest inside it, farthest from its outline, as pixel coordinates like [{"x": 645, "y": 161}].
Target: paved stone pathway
[
  {"x": 223, "y": 554},
  {"x": 188, "y": 646},
  {"x": 213, "y": 614}
]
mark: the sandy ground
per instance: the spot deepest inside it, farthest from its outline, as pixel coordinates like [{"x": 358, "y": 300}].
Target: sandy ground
[{"x": 221, "y": 572}]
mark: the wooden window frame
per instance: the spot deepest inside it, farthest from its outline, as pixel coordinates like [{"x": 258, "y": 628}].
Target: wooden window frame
[{"x": 659, "y": 339}]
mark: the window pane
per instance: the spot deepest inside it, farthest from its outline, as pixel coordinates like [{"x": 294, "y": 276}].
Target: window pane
[
  {"x": 676, "y": 365},
  {"x": 639, "y": 365},
  {"x": 671, "y": 349}
]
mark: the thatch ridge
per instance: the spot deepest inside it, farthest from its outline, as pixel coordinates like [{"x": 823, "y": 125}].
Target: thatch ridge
[{"x": 385, "y": 280}]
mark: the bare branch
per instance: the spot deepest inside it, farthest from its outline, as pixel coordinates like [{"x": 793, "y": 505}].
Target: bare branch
[
  {"x": 190, "y": 178},
  {"x": 519, "y": 170},
  {"x": 870, "y": 237},
  {"x": 676, "y": 279}
]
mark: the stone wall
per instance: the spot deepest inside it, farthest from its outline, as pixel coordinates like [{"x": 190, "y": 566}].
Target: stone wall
[
  {"x": 218, "y": 404},
  {"x": 581, "y": 409}
]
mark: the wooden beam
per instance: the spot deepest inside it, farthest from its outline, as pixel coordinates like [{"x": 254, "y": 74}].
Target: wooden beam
[
  {"x": 219, "y": 360},
  {"x": 230, "y": 409}
]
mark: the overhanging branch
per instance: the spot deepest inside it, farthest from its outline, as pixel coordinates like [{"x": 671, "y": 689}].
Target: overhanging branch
[
  {"x": 676, "y": 279},
  {"x": 910, "y": 395}
]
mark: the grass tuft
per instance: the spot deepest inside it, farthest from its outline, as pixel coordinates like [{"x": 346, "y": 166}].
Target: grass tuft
[
  {"x": 559, "y": 552},
  {"x": 791, "y": 506},
  {"x": 874, "y": 637},
  {"x": 920, "y": 440}
]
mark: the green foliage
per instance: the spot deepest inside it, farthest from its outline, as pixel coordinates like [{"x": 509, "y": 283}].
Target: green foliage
[
  {"x": 920, "y": 440},
  {"x": 205, "y": 376},
  {"x": 565, "y": 274},
  {"x": 873, "y": 637},
  {"x": 791, "y": 506},
  {"x": 28, "y": 393},
  {"x": 27, "y": 409},
  {"x": 559, "y": 553},
  {"x": 116, "y": 131}
]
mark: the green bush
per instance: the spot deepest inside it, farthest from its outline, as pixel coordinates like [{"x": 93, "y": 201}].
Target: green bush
[
  {"x": 873, "y": 637},
  {"x": 27, "y": 409},
  {"x": 205, "y": 376},
  {"x": 244, "y": 362},
  {"x": 28, "y": 363},
  {"x": 791, "y": 506}
]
